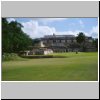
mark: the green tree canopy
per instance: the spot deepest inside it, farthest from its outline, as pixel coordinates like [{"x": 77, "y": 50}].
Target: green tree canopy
[
  {"x": 35, "y": 41},
  {"x": 13, "y": 38},
  {"x": 80, "y": 38}
]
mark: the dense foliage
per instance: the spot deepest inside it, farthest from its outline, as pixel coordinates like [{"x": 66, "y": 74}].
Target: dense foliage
[
  {"x": 80, "y": 38},
  {"x": 95, "y": 42},
  {"x": 11, "y": 57},
  {"x": 13, "y": 38},
  {"x": 35, "y": 41}
]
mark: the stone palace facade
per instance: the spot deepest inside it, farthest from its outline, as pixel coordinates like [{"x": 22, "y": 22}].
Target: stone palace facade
[{"x": 62, "y": 43}]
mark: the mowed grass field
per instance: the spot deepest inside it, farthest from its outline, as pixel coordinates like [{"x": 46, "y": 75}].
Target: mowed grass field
[{"x": 75, "y": 67}]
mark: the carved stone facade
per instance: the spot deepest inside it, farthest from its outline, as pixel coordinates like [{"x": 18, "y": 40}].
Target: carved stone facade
[{"x": 61, "y": 43}]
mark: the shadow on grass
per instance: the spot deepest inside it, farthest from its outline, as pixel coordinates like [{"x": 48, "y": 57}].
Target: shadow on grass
[{"x": 43, "y": 56}]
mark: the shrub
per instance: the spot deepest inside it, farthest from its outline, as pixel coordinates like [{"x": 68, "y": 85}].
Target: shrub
[{"x": 10, "y": 56}]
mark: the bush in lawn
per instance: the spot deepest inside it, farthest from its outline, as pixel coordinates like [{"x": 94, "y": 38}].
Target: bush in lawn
[{"x": 10, "y": 56}]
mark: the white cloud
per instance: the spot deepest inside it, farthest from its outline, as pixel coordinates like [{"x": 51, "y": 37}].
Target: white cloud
[
  {"x": 34, "y": 30},
  {"x": 94, "y": 32},
  {"x": 10, "y": 19},
  {"x": 81, "y": 23},
  {"x": 46, "y": 30},
  {"x": 66, "y": 33}
]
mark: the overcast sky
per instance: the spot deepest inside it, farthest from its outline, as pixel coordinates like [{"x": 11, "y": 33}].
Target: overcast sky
[{"x": 38, "y": 27}]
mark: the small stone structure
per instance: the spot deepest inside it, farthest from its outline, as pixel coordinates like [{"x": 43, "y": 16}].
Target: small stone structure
[
  {"x": 42, "y": 51},
  {"x": 25, "y": 53},
  {"x": 38, "y": 51}
]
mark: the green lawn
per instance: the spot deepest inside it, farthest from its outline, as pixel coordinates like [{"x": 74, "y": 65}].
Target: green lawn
[{"x": 75, "y": 67}]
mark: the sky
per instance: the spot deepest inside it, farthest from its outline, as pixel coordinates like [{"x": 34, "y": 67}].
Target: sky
[{"x": 38, "y": 27}]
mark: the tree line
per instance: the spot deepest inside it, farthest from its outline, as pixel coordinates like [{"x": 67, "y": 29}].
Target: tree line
[{"x": 14, "y": 39}]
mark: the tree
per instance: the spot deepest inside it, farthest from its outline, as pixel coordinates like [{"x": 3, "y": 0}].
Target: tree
[
  {"x": 5, "y": 35},
  {"x": 35, "y": 41},
  {"x": 81, "y": 40},
  {"x": 13, "y": 38}
]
